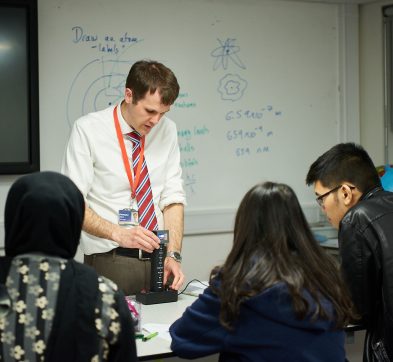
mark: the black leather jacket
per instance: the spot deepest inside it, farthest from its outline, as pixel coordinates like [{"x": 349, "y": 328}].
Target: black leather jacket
[{"x": 366, "y": 250}]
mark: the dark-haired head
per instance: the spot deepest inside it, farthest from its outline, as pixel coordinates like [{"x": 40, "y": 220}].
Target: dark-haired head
[
  {"x": 344, "y": 162},
  {"x": 150, "y": 76},
  {"x": 268, "y": 220},
  {"x": 43, "y": 214},
  {"x": 272, "y": 244}
]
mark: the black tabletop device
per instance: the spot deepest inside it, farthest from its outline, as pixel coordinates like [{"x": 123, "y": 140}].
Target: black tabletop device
[{"x": 157, "y": 293}]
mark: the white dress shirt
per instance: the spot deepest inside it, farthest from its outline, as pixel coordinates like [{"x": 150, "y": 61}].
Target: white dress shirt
[{"x": 94, "y": 162}]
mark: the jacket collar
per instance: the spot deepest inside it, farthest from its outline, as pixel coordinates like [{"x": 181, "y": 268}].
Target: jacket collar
[{"x": 370, "y": 193}]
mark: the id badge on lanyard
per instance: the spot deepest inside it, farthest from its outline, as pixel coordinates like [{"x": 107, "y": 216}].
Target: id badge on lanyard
[{"x": 129, "y": 217}]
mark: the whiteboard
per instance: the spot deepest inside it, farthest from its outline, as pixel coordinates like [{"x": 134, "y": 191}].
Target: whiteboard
[{"x": 259, "y": 80}]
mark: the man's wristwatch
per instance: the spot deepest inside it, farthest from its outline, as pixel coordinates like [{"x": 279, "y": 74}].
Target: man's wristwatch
[{"x": 175, "y": 255}]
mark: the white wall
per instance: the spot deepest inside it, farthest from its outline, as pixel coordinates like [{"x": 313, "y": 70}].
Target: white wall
[
  {"x": 371, "y": 80},
  {"x": 203, "y": 252}
]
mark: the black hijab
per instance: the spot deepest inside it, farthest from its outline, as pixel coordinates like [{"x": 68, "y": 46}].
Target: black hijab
[{"x": 43, "y": 213}]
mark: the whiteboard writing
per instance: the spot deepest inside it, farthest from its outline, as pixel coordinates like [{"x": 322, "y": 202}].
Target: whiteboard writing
[
  {"x": 230, "y": 86},
  {"x": 227, "y": 51},
  {"x": 243, "y": 104},
  {"x": 100, "y": 81},
  {"x": 105, "y": 43}
]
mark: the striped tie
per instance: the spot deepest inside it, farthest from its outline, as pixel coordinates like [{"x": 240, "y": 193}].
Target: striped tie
[{"x": 144, "y": 197}]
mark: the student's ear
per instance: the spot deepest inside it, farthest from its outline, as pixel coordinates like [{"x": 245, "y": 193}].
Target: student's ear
[{"x": 347, "y": 195}]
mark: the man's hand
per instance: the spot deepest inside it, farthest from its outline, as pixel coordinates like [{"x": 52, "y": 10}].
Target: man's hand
[
  {"x": 172, "y": 267},
  {"x": 137, "y": 237}
]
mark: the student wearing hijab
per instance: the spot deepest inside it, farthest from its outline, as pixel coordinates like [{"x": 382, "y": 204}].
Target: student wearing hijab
[
  {"x": 278, "y": 296},
  {"x": 61, "y": 309}
]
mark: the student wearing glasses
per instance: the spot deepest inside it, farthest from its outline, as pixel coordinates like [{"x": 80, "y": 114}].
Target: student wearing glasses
[{"x": 349, "y": 191}]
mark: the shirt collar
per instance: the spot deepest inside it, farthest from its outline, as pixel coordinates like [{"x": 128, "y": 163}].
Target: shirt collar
[{"x": 124, "y": 126}]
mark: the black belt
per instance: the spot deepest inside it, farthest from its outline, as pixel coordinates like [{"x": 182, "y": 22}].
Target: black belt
[{"x": 132, "y": 253}]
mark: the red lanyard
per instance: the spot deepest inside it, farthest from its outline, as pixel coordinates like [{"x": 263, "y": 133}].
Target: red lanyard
[{"x": 133, "y": 184}]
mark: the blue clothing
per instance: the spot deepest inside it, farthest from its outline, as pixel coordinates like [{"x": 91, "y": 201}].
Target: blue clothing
[{"x": 267, "y": 330}]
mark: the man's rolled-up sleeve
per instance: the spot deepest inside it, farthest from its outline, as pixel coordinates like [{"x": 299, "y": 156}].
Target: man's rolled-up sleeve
[{"x": 173, "y": 191}]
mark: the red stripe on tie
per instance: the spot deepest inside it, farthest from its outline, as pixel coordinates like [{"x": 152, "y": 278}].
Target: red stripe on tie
[{"x": 144, "y": 196}]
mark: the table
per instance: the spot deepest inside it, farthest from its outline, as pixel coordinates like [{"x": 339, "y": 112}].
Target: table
[{"x": 165, "y": 313}]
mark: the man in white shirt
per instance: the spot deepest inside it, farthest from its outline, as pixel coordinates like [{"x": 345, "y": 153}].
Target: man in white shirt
[{"x": 95, "y": 161}]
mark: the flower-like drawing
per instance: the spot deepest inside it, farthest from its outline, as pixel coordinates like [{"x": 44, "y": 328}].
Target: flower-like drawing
[{"x": 232, "y": 87}]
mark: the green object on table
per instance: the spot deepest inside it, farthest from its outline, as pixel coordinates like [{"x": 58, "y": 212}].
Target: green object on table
[{"x": 150, "y": 336}]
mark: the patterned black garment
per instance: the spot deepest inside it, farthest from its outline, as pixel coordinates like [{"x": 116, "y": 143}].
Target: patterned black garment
[
  {"x": 61, "y": 310},
  {"x": 33, "y": 285}
]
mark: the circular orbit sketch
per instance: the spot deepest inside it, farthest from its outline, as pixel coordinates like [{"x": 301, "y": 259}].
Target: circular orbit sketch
[{"x": 99, "y": 84}]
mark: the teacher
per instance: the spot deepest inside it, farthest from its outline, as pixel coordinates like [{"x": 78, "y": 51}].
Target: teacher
[{"x": 125, "y": 160}]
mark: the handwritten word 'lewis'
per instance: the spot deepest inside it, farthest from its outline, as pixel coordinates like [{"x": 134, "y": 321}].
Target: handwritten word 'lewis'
[{"x": 107, "y": 48}]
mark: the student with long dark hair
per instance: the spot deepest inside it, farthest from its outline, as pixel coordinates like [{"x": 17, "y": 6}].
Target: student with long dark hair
[{"x": 278, "y": 296}]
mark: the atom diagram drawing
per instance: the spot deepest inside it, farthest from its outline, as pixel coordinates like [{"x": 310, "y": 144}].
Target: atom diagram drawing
[{"x": 225, "y": 52}]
